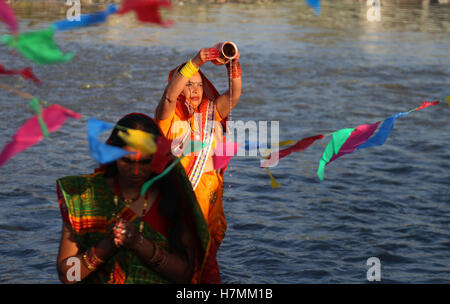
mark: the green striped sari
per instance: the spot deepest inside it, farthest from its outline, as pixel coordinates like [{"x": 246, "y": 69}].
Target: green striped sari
[{"x": 91, "y": 209}]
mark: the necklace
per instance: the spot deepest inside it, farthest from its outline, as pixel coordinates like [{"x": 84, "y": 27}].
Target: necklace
[
  {"x": 116, "y": 203},
  {"x": 127, "y": 201}
]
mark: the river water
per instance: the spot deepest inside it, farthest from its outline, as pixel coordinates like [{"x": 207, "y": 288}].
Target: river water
[{"x": 313, "y": 74}]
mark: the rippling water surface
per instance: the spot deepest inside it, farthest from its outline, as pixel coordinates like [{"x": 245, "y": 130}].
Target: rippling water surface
[{"x": 313, "y": 75}]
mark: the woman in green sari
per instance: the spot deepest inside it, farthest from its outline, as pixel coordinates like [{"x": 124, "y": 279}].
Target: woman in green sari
[{"x": 112, "y": 234}]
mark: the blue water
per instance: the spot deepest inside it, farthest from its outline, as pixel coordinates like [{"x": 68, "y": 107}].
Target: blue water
[{"x": 312, "y": 74}]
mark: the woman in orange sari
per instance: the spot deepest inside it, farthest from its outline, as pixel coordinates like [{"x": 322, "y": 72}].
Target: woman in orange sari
[{"x": 191, "y": 109}]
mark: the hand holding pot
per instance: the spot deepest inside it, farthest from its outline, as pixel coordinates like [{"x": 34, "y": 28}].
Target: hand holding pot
[
  {"x": 205, "y": 55},
  {"x": 228, "y": 51}
]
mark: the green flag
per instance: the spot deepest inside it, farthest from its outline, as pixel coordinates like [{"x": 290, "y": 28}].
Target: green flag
[
  {"x": 38, "y": 46},
  {"x": 335, "y": 144},
  {"x": 194, "y": 146},
  {"x": 35, "y": 105}
]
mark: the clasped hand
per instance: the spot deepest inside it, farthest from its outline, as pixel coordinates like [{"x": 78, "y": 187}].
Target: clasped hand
[{"x": 125, "y": 233}]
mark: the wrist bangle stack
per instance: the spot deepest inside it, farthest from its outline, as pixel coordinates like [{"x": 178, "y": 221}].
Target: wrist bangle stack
[
  {"x": 95, "y": 256},
  {"x": 91, "y": 260},
  {"x": 155, "y": 253},
  {"x": 163, "y": 260},
  {"x": 235, "y": 70},
  {"x": 159, "y": 258},
  {"x": 189, "y": 70}
]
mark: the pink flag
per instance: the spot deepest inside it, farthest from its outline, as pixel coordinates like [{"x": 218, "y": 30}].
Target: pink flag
[
  {"x": 8, "y": 17},
  {"x": 223, "y": 153},
  {"x": 146, "y": 10},
  {"x": 359, "y": 136},
  {"x": 427, "y": 104},
  {"x": 30, "y": 133}
]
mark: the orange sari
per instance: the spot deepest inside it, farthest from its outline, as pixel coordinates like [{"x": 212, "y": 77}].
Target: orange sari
[{"x": 208, "y": 186}]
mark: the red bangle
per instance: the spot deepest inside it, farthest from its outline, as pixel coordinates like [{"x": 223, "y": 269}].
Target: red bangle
[
  {"x": 91, "y": 260},
  {"x": 235, "y": 68}
]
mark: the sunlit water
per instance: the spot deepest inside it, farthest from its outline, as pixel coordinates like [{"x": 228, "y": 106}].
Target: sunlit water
[{"x": 313, "y": 74}]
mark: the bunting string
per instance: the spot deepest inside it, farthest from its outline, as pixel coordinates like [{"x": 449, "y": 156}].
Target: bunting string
[
  {"x": 343, "y": 141},
  {"x": 40, "y": 47},
  {"x": 347, "y": 140}
]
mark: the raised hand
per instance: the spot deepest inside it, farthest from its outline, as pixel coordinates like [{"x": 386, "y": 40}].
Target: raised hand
[
  {"x": 234, "y": 67},
  {"x": 205, "y": 55}
]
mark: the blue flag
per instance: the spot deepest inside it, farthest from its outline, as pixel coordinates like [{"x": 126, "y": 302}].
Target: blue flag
[
  {"x": 85, "y": 20},
  {"x": 382, "y": 134},
  {"x": 314, "y": 4},
  {"x": 102, "y": 152}
]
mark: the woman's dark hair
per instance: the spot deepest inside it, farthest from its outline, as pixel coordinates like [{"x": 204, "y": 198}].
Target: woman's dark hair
[{"x": 171, "y": 206}]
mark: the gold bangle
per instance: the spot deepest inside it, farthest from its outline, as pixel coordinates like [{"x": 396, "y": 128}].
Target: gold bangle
[
  {"x": 96, "y": 258},
  {"x": 163, "y": 262},
  {"x": 87, "y": 263},
  {"x": 189, "y": 70},
  {"x": 160, "y": 259},
  {"x": 155, "y": 253}
]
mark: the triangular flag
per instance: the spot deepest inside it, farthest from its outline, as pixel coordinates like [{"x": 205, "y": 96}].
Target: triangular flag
[
  {"x": 85, "y": 20},
  {"x": 140, "y": 140},
  {"x": 8, "y": 17},
  {"x": 301, "y": 145},
  {"x": 358, "y": 137},
  {"x": 223, "y": 153},
  {"x": 383, "y": 133},
  {"x": 38, "y": 46},
  {"x": 101, "y": 152},
  {"x": 315, "y": 4},
  {"x": 338, "y": 139},
  {"x": 427, "y": 104},
  {"x": 26, "y": 73},
  {"x": 30, "y": 132},
  {"x": 146, "y": 10}
]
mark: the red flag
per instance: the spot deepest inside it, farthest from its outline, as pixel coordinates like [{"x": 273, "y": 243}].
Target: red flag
[
  {"x": 146, "y": 10},
  {"x": 26, "y": 73},
  {"x": 299, "y": 146},
  {"x": 427, "y": 104}
]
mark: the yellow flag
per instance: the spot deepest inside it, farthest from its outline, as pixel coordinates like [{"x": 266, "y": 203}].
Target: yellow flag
[
  {"x": 273, "y": 183},
  {"x": 140, "y": 140},
  {"x": 286, "y": 143}
]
